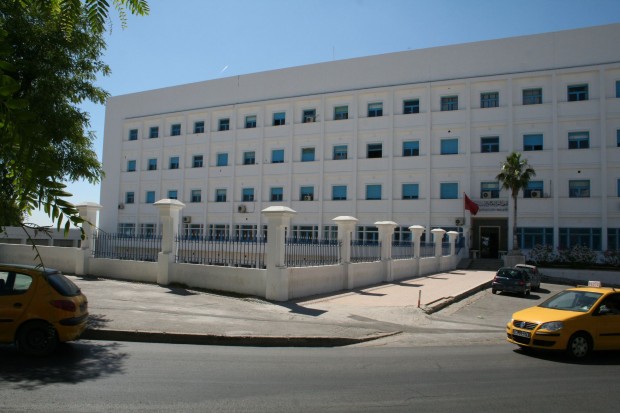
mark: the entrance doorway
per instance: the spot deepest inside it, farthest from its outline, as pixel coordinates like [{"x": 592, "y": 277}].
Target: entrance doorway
[{"x": 489, "y": 241}]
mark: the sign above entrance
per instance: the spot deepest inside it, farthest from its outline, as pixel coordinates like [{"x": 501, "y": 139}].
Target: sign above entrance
[{"x": 490, "y": 205}]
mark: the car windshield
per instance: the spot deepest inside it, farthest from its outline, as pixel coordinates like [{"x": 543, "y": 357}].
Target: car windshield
[
  {"x": 570, "y": 300},
  {"x": 63, "y": 285},
  {"x": 510, "y": 273}
]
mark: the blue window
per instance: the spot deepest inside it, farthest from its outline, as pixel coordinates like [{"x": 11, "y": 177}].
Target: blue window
[
  {"x": 154, "y": 132},
  {"x": 220, "y": 195},
  {"x": 449, "y": 146},
  {"x": 449, "y": 103},
  {"x": 374, "y": 150},
  {"x": 533, "y": 142},
  {"x": 308, "y": 116},
  {"x": 534, "y": 189},
  {"x": 133, "y": 134},
  {"x": 341, "y": 112},
  {"x": 307, "y": 154},
  {"x": 618, "y": 88},
  {"x": 530, "y": 237},
  {"x": 373, "y": 192},
  {"x": 150, "y": 197},
  {"x": 578, "y": 140},
  {"x": 249, "y": 158},
  {"x": 489, "y": 190},
  {"x": 579, "y": 188},
  {"x": 279, "y": 118},
  {"x": 129, "y": 198},
  {"x": 199, "y": 127},
  {"x": 532, "y": 96},
  {"x": 173, "y": 194},
  {"x": 175, "y": 130},
  {"x": 613, "y": 238},
  {"x": 196, "y": 195},
  {"x": 222, "y": 159},
  {"x": 306, "y": 193},
  {"x": 174, "y": 162},
  {"x": 224, "y": 124},
  {"x": 247, "y": 194},
  {"x": 197, "y": 161},
  {"x": 410, "y": 191},
  {"x": 277, "y": 156},
  {"x": 618, "y": 138},
  {"x": 411, "y": 148},
  {"x": 152, "y": 164},
  {"x": 131, "y": 165},
  {"x": 577, "y": 93},
  {"x": 449, "y": 190},
  {"x": 277, "y": 194},
  {"x": 339, "y": 193},
  {"x": 590, "y": 237},
  {"x": 618, "y": 189},
  {"x": 489, "y": 144},
  {"x": 489, "y": 100},
  {"x": 341, "y": 152},
  {"x": 250, "y": 121},
  {"x": 411, "y": 106},
  {"x": 375, "y": 110}
]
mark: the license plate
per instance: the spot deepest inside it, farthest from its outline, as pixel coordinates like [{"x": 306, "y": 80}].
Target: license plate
[{"x": 520, "y": 333}]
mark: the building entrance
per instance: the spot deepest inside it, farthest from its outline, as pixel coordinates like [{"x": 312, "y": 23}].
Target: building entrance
[
  {"x": 489, "y": 242},
  {"x": 489, "y": 237}
]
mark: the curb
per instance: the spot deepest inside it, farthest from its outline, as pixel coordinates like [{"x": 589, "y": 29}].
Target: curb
[{"x": 444, "y": 302}]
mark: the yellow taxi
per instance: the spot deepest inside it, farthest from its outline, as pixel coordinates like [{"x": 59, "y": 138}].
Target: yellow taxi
[
  {"x": 39, "y": 308},
  {"x": 577, "y": 320}
]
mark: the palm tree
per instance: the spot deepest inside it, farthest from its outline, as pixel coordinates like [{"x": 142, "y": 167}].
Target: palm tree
[{"x": 515, "y": 176}]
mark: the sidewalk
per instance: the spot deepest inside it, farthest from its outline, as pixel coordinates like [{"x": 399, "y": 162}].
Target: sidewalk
[{"x": 126, "y": 311}]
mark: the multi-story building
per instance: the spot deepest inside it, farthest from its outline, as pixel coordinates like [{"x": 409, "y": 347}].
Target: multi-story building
[{"x": 400, "y": 137}]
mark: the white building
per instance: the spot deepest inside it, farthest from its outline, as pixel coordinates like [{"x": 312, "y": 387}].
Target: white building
[{"x": 400, "y": 137}]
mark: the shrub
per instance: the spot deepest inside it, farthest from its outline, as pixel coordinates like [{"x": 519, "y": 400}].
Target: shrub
[
  {"x": 612, "y": 257},
  {"x": 542, "y": 255},
  {"x": 578, "y": 256}
]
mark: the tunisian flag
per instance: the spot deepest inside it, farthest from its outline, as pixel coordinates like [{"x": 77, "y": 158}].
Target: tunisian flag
[{"x": 470, "y": 205}]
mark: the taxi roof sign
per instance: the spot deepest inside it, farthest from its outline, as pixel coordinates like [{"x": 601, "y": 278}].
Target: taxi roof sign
[{"x": 596, "y": 284}]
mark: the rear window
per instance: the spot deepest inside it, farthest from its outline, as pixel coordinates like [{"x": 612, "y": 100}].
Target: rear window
[
  {"x": 63, "y": 285},
  {"x": 517, "y": 274}
]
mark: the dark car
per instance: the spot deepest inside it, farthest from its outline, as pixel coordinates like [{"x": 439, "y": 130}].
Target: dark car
[
  {"x": 512, "y": 280},
  {"x": 532, "y": 270}
]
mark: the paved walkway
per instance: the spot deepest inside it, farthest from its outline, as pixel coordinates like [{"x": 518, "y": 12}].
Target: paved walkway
[{"x": 127, "y": 311}]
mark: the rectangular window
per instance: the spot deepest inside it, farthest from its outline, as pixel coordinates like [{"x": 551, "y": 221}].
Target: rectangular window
[
  {"x": 339, "y": 193},
  {"x": 449, "y": 190},
  {"x": 308, "y": 116},
  {"x": 131, "y": 165},
  {"x": 373, "y": 192},
  {"x": 576, "y": 93},
  {"x": 532, "y": 96},
  {"x": 307, "y": 154},
  {"x": 374, "y": 150},
  {"x": 411, "y": 106},
  {"x": 375, "y": 109},
  {"x": 149, "y": 197},
  {"x": 129, "y": 198},
  {"x": 411, "y": 148},
  {"x": 173, "y": 194},
  {"x": 152, "y": 164},
  {"x": 579, "y": 140},
  {"x": 126, "y": 229},
  {"x": 341, "y": 152},
  {"x": 174, "y": 162},
  {"x": 618, "y": 188},
  {"x": 489, "y": 100},
  {"x": 489, "y": 144},
  {"x": 341, "y": 112},
  {"x": 220, "y": 195},
  {"x": 249, "y": 158},
  {"x": 147, "y": 230},
  {"x": 197, "y": 161},
  {"x": 533, "y": 142},
  {"x": 175, "y": 130},
  {"x": 306, "y": 193},
  {"x": 154, "y": 132},
  {"x": 449, "y": 103},
  {"x": 133, "y": 134},
  {"x": 449, "y": 146},
  {"x": 590, "y": 237},
  {"x": 196, "y": 195},
  {"x": 277, "y": 194},
  {"x": 530, "y": 237},
  {"x": 222, "y": 159},
  {"x": 618, "y": 88},
  {"x": 247, "y": 194},
  {"x": 618, "y": 138},
  {"x": 279, "y": 118},
  {"x": 579, "y": 188},
  {"x": 224, "y": 124},
  {"x": 250, "y": 121},
  {"x": 199, "y": 127},
  {"x": 534, "y": 189},
  {"x": 410, "y": 191},
  {"x": 613, "y": 239},
  {"x": 277, "y": 156},
  {"x": 489, "y": 190}
]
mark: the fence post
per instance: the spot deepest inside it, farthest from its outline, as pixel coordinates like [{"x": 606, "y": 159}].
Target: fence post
[
  {"x": 276, "y": 280},
  {"x": 346, "y": 226},
  {"x": 87, "y": 211},
  {"x": 169, "y": 213},
  {"x": 452, "y": 236},
  {"x": 437, "y": 238},
  {"x": 386, "y": 230},
  {"x": 417, "y": 231}
]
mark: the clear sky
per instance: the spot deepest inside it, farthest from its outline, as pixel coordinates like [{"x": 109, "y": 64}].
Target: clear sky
[{"x": 184, "y": 41}]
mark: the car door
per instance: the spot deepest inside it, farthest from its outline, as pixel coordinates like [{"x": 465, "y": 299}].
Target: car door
[
  {"x": 16, "y": 292},
  {"x": 607, "y": 323}
]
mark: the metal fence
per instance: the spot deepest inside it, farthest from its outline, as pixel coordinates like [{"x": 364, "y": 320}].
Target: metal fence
[
  {"x": 427, "y": 249},
  {"x": 402, "y": 250},
  {"x": 365, "y": 251},
  {"x": 231, "y": 252},
  {"x": 126, "y": 247},
  {"x": 300, "y": 252}
]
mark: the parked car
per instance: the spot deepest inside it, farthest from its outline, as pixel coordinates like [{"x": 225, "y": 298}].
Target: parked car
[
  {"x": 532, "y": 270},
  {"x": 577, "y": 320},
  {"x": 39, "y": 308},
  {"x": 513, "y": 280}
]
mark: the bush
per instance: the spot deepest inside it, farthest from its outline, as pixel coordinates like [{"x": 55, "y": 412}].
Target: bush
[
  {"x": 542, "y": 255},
  {"x": 578, "y": 256},
  {"x": 612, "y": 257}
]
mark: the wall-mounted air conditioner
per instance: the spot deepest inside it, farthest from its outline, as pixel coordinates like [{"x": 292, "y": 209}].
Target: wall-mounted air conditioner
[
  {"x": 241, "y": 209},
  {"x": 187, "y": 220},
  {"x": 536, "y": 194},
  {"x": 121, "y": 206},
  {"x": 487, "y": 194},
  {"x": 459, "y": 222}
]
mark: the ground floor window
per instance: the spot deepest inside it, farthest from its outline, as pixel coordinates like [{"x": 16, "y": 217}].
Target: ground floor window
[
  {"x": 245, "y": 232},
  {"x": 613, "y": 238},
  {"x": 193, "y": 231},
  {"x": 589, "y": 237},
  {"x": 367, "y": 234},
  {"x": 528, "y": 238},
  {"x": 218, "y": 231},
  {"x": 330, "y": 232},
  {"x": 305, "y": 232}
]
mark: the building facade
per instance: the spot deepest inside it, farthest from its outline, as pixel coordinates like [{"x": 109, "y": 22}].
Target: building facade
[{"x": 399, "y": 137}]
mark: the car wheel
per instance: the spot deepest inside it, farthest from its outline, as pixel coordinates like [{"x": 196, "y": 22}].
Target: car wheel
[
  {"x": 527, "y": 293},
  {"x": 493, "y": 291},
  {"x": 37, "y": 338},
  {"x": 579, "y": 346}
]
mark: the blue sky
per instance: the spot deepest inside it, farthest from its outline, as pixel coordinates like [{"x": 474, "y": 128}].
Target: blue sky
[{"x": 186, "y": 41}]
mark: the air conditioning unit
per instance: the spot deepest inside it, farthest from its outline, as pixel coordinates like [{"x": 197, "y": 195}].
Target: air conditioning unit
[
  {"x": 487, "y": 194},
  {"x": 459, "y": 222},
  {"x": 187, "y": 220},
  {"x": 536, "y": 194},
  {"x": 241, "y": 209},
  {"x": 121, "y": 206}
]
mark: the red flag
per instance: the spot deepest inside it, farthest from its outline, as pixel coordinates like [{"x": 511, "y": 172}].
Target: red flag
[{"x": 470, "y": 205}]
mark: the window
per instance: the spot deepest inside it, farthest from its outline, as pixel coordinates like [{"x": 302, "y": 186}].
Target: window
[
  {"x": 533, "y": 142},
  {"x": 618, "y": 88},
  {"x": 339, "y": 193},
  {"x": 341, "y": 112},
  {"x": 129, "y": 198},
  {"x": 199, "y": 127},
  {"x": 373, "y": 192},
  {"x": 149, "y": 197},
  {"x": 247, "y": 194},
  {"x": 534, "y": 189},
  {"x": 449, "y": 146},
  {"x": 277, "y": 156},
  {"x": 579, "y": 188},
  {"x": 218, "y": 231},
  {"x": 489, "y": 190},
  {"x": 154, "y": 132},
  {"x": 279, "y": 118},
  {"x": 250, "y": 121},
  {"x": 131, "y": 165},
  {"x": 307, "y": 154},
  {"x": 306, "y": 193},
  {"x": 411, "y": 148},
  {"x": 411, "y": 106},
  {"x": 613, "y": 238},
  {"x": 193, "y": 231},
  {"x": 126, "y": 229},
  {"x": 590, "y": 237},
  {"x": 174, "y": 162},
  {"x": 367, "y": 234},
  {"x": 175, "y": 130},
  {"x": 618, "y": 138},
  {"x": 340, "y": 152},
  {"x": 449, "y": 190},
  {"x": 530, "y": 237},
  {"x": 308, "y": 116},
  {"x": 579, "y": 140},
  {"x": 196, "y": 195},
  {"x": 410, "y": 191},
  {"x": 152, "y": 164},
  {"x": 374, "y": 150},
  {"x": 220, "y": 195},
  {"x": 375, "y": 110},
  {"x": 222, "y": 159},
  {"x": 532, "y": 96},
  {"x": 197, "y": 161},
  {"x": 276, "y": 194},
  {"x": 133, "y": 134},
  {"x": 489, "y": 100},
  {"x": 173, "y": 194},
  {"x": 224, "y": 124},
  {"x": 449, "y": 103},
  {"x": 305, "y": 232},
  {"x": 147, "y": 230},
  {"x": 489, "y": 144},
  {"x": 249, "y": 158},
  {"x": 577, "y": 92}
]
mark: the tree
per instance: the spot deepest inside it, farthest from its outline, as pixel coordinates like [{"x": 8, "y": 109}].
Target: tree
[{"x": 515, "y": 176}]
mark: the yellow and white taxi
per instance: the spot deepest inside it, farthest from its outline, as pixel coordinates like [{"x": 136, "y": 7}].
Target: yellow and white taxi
[{"x": 577, "y": 320}]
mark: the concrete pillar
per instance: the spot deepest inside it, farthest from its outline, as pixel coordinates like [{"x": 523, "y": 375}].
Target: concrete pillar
[
  {"x": 386, "y": 230},
  {"x": 87, "y": 211},
  {"x": 416, "y": 232},
  {"x": 437, "y": 237},
  {"x": 169, "y": 214},
  {"x": 452, "y": 236},
  {"x": 346, "y": 226},
  {"x": 277, "y": 279}
]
